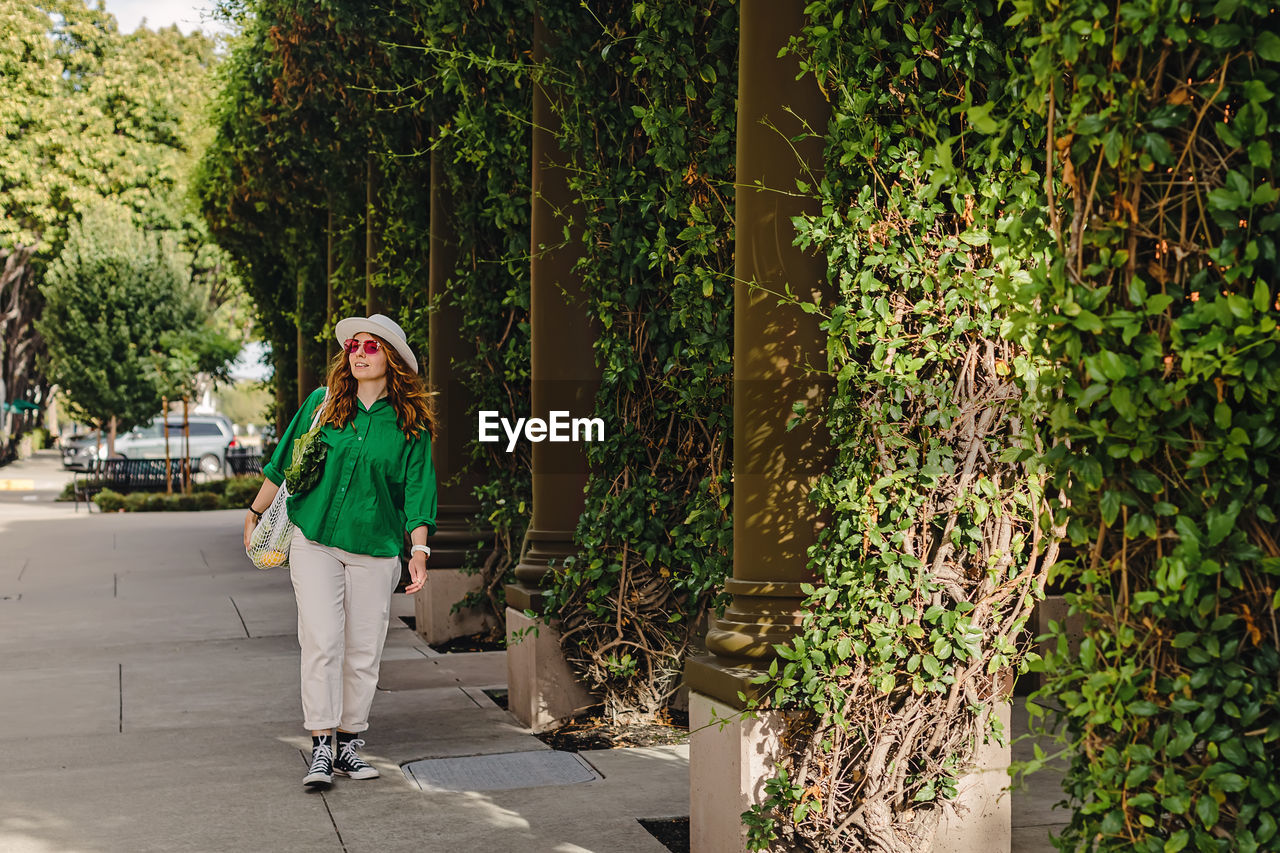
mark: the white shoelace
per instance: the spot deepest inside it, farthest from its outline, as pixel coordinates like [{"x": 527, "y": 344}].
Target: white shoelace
[
  {"x": 319, "y": 754},
  {"x": 349, "y": 748}
]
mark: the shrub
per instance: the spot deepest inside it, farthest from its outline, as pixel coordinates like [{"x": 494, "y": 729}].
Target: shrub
[
  {"x": 240, "y": 491},
  {"x": 215, "y": 487},
  {"x": 109, "y": 501}
]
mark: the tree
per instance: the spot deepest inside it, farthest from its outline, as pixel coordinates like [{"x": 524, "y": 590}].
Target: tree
[
  {"x": 89, "y": 114},
  {"x": 184, "y": 356},
  {"x": 111, "y": 298}
]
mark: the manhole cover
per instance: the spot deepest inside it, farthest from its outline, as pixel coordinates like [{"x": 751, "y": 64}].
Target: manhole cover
[{"x": 500, "y": 772}]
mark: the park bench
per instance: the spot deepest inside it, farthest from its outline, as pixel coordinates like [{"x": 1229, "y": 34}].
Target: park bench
[
  {"x": 243, "y": 460},
  {"x": 127, "y": 475}
]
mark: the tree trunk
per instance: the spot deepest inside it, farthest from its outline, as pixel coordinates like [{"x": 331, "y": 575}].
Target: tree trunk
[
  {"x": 168, "y": 465},
  {"x": 186, "y": 447}
]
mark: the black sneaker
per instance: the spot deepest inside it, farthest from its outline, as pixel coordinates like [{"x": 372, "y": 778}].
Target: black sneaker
[
  {"x": 321, "y": 773},
  {"x": 349, "y": 763}
]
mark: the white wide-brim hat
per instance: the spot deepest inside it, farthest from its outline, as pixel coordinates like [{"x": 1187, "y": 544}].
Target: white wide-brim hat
[{"x": 382, "y": 326}]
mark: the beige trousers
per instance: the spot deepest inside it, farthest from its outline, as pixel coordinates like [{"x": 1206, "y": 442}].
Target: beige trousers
[{"x": 344, "y": 605}]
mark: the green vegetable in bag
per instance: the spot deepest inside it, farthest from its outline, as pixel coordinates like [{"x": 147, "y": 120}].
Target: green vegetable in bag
[{"x": 309, "y": 452}]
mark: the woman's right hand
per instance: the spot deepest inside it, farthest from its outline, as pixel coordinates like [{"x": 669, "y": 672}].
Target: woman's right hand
[
  {"x": 266, "y": 495},
  {"x": 250, "y": 522}
]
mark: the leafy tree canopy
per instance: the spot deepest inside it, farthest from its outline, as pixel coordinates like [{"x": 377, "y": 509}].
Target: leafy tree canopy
[{"x": 116, "y": 306}]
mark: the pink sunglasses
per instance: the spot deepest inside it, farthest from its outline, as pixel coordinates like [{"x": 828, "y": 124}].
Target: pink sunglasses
[{"x": 370, "y": 347}]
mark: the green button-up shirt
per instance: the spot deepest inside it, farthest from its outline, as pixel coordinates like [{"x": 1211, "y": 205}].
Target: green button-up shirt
[{"x": 376, "y": 483}]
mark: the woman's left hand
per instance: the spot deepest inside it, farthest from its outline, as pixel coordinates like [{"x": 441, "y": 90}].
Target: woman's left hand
[{"x": 417, "y": 573}]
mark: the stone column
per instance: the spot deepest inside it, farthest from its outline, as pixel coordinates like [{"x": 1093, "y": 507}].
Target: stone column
[
  {"x": 774, "y": 470},
  {"x": 541, "y": 688},
  {"x": 446, "y": 583}
]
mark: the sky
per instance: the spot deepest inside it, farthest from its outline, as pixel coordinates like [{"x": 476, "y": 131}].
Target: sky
[{"x": 189, "y": 15}]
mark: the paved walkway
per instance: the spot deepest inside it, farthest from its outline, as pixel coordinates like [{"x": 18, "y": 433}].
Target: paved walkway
[
  {"x": 149, "y": 702},
  {"x": 38, "y": 479}
]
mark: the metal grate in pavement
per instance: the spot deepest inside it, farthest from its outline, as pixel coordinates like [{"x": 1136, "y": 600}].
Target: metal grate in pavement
[{"x": 501, "y": 771}]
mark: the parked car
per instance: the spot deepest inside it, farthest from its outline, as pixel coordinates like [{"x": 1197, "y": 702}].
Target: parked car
[
  {"x": 211, "y": 436},
  {"x": 77, "y": 450}
]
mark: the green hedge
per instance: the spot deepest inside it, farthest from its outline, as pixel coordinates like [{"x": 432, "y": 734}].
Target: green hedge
[{"x": 232, "y": 493}]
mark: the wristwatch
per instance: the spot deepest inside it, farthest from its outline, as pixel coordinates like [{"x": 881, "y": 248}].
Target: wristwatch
[{"x": 423, "y": 548}]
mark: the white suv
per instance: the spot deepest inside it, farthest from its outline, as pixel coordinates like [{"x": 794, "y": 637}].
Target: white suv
[{"x": 211, "y": 435}]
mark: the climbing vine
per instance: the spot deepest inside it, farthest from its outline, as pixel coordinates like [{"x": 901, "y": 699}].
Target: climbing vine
[
  {"x": 301, "y": 133},
  {"x": 1159, "y": 312},
  {"x": 927, "y": 573},
  {"x": 479, "y": 94},
  {"x": 646, "y": 102}
]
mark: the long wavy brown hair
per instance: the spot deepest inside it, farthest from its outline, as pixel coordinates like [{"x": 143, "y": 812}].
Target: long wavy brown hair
[{"x": 406, "y": 392}]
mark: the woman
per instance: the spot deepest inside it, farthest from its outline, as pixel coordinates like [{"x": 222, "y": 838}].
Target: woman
[{"x": 377, "y": 482}]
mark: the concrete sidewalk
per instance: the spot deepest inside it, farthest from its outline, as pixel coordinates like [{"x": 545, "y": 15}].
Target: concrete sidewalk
[
  {"x": 38, "y": 478},
  {"x": 149, "y": 702}
]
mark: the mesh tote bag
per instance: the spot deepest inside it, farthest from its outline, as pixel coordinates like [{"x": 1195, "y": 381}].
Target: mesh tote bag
[{"x": 269, "y": 544}]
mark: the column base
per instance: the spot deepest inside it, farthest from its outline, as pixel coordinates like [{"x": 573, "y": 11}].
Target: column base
[
  {"x": 433, "y": 605},
  {"x": 728, "y": 767},
  {"x": 542, "y": 691},
  {"x": 983, "y": 822}
]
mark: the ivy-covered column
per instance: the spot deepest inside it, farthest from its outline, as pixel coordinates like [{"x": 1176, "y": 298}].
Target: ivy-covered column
[
  {"x": 457, "y": 507},
  {"x": 564, "y": 377},
  {"x": 774, "y": 469}
]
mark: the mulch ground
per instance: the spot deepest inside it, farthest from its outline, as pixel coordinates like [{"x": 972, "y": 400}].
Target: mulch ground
[
  {"x": 461, "y": 645},
  {"x": 590, "y": 731},
  {"x": 472, "y": 643}
]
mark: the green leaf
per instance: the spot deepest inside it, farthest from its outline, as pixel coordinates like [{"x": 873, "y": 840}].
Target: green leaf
[
  {"x": 1112, "y": 365},
  {"x": 1146, "y": 481},
  {"x": 1087, "y": 321},
  {"x": 1267, "y": 46},
  {"x": 1260, "y": 154},
  {"x": 1232, "y": 783},
  {"x": 1110, "y": 507},
  {"x": 980, "y": 117},
  {"x": 1207, "y": 810}
]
